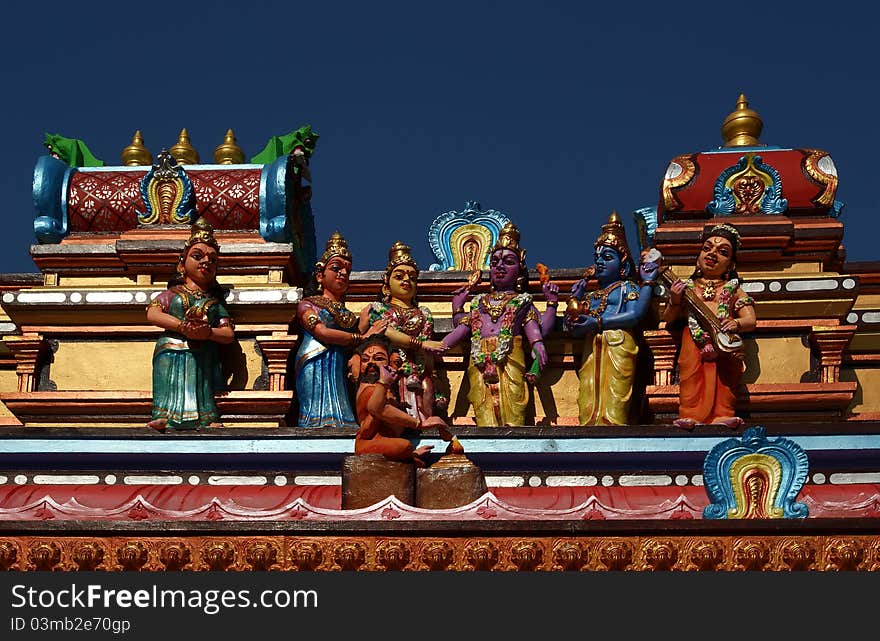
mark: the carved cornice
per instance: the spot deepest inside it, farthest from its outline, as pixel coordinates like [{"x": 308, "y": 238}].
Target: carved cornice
[{"x": 456, "y": 554}]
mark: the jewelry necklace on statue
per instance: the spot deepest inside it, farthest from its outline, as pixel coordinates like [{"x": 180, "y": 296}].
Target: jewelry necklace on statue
[
  {"x": 709, "y": 289},
  {"x": 343, "y": 316},
  {"x": 601, "y": 295},
  {"x": 495, "y": 302}
]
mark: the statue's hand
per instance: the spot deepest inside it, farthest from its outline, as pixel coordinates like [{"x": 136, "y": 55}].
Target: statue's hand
[
  {"x": 435, "y": 421},
  {"x": 540, "y": 353},
  {"x": 708, "y": 353},
  {"x": 649, "y": 272},
  {"x": 676, "y": 290},
  {"x": 459, "y": 296},
  {"x": 434, "y": 347},
  {"x": 196, "y": 330},
  {"x": 378, "y": 327},
  {"x": 583, "y": 325},
  {"x": 387, "y": 376},
  {"x": 551, "y": 292},
  {"x": 730, "y": 325},
  {"x": 578, "y": 289}
]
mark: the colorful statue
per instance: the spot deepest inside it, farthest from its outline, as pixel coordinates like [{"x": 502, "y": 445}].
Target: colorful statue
[
  {"x": 496, "y": 322},
  {"x": 606, "y": 318},
  {"x": 410, "y": 329},
  {"x": 71, "y": 150},
  {"x": 329, "y": 331},
  {"x": 186, "y": 360},
  {"x": 385, "y": 426},
  {"x": 710, "y": 362},
  {"x": 300, "y": 143}
]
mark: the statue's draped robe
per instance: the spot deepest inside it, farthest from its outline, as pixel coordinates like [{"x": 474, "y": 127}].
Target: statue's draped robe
[
  {"x": 187, "y": 373},
  {"x": 321, "y": 386}
]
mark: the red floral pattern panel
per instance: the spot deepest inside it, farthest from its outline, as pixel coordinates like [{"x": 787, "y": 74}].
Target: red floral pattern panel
[
  {"x": 103, "y": 201},
  {"x": 228, "y": 198}
]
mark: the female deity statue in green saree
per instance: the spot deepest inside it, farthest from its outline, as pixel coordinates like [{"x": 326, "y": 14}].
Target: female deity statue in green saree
[{"x": 186, "y": 360}]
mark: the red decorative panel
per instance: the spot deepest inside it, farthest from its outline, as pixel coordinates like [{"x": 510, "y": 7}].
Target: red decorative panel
[
  {"x": 102, "y": 201},
  {"x": 228, "y": 198},
  {"x": 798, "y": 188}
]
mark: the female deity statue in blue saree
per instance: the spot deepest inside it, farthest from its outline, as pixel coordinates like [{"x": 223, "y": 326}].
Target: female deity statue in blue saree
[{"x": 329, "y": 333}]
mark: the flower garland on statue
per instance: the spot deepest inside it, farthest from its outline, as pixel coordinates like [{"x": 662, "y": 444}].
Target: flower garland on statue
[
  {"x": 403, "y": 319},
  {"x": 697, "y": 332},
  {"x": 487, "y": 362}
]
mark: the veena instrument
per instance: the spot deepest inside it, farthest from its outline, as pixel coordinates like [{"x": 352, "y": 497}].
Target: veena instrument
[{"x": 727, "y": 342}]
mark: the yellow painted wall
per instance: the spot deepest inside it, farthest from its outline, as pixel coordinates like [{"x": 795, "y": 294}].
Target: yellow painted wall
[
  {"x": 127, "y": 365},
  {"x": 867, "y": 397},
  {"x": 776, "y": 360}
]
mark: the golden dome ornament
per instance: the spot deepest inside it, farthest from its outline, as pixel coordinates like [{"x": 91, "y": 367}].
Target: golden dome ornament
[
  {"x": 183, "y": 152},
  {"x": 136, "y": 154},
  {"x": 743, "y": 126},
  {"x": 228, "y": 152}
]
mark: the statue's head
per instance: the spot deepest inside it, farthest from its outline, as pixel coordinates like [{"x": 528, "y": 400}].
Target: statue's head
[
  {"x": 717, "y": 257},
  {"x": 507, "y": 262},
  {"x": 370, "y": 355},
  {"x": 307, "y": 139},
  {"x": 401, "y": 277},
  {"x": 333, "y": 269},
  {"x": 198, "y": 260},
  {"x": 612, "y": 258}
]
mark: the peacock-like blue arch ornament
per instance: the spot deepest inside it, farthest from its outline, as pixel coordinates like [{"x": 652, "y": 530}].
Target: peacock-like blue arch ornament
[
  {"x": 463, "y": 240},
  {"x": 748, "y": 187},
  {"x": 755, "y": 478}
]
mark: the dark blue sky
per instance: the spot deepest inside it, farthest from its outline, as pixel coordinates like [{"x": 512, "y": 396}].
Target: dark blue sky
[{"x": 554, "y": 113}]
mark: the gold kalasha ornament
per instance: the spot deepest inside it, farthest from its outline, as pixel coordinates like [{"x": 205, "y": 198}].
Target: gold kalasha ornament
[
  {"x": 228, "y": 152},
  {"x": 743, "y": 126},
  {"x": 136, "y": 154},
  {"x": 184, "y": 153}
]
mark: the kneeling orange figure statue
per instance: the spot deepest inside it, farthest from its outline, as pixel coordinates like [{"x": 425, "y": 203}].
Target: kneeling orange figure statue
[{"x": 383, "y": 425}]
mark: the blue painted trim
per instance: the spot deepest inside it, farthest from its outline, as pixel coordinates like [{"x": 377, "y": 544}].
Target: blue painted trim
[
  {"x": 51, "y": 177},
  {"x": 646, "y": 222},
  {"x": 270, "y": 445},
  {"x": 274, "y": 224},
  {"x": 740, "y": 150},
  {"x": 837, "y": 209}
]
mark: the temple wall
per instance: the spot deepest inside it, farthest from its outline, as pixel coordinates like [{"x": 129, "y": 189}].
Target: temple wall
[{"x": 776, "y": 359}]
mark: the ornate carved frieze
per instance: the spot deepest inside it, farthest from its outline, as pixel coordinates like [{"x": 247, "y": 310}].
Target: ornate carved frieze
[{"x": 427, "y": 553}]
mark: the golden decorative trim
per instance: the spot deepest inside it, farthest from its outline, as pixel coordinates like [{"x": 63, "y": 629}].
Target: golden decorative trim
[
  {"x": 688, "y": 171},
  {"x": 395, "y": 553},
  {"x": 829, "y": 181}
]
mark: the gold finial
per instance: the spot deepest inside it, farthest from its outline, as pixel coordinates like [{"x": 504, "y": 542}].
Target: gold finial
[
  {"x": 399, "y": 254},
  {"x": 227, "y": 152},
  {"x": 336, "y": 246},
  {"x": 136, "y": 153},
  {"x": 184, "y": 153},
  {"x": 743, "y": 126}
]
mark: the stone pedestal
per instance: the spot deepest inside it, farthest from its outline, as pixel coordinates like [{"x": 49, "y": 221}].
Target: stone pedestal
[
  {"x": 370, "y": 478},
  {"x": 451, "y": 482}
]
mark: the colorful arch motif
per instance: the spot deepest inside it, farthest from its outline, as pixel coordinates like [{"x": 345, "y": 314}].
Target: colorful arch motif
[{"x": 755, "y": 478}]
